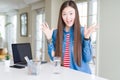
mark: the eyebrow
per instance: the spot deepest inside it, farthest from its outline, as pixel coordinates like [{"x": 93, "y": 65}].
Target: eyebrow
[{"x": 68, "y": 11}]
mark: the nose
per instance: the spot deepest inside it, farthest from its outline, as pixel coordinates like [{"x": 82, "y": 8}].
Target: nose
[{"x": 68, "y": 17}]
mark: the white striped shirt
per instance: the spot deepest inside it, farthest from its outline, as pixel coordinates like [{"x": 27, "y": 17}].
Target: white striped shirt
[{"x": 66, "y": 61}]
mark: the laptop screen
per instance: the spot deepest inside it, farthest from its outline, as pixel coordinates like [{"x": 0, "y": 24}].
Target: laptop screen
[{"x": 20, "y": 50}]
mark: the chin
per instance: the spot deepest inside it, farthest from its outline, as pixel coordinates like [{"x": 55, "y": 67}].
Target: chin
[{"x": 70, "y": 25}]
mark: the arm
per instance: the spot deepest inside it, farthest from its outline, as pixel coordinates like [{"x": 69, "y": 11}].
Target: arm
[
  {"x": 49, "y": 35},
  {"x": 51, "y": 50},
  {"x": 87, "y": 50},
  {"x": 87, "y": 47},
  {"x": 51, "y": 46}
]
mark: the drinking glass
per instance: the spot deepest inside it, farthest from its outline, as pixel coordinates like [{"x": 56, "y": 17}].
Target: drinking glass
[
  {"x": 33, "y": 68},
  {"x": 57, "y": 65}
]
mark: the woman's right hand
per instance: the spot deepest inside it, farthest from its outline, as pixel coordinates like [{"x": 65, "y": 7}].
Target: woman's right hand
[{"x": 47, "y": 31}]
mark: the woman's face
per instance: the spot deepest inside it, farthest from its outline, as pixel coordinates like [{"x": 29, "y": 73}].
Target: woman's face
[{"x": 68, "y": 16}]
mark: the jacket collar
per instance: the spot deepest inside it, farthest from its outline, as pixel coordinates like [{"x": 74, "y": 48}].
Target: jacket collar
[{"x": 70, "y": 31}]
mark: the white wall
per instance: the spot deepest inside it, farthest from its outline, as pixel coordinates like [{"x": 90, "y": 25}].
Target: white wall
[
  {"x": 52, "y": 8},
  {"x": 109, "y": 39},
  {"x": 48, "y": 11},
  {"x": 55, "y": 12}
]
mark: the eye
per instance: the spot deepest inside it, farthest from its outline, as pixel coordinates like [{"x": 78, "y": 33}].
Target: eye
[
  {"x": 71, "y": 13},
  {"x": 63, "y": 14}
]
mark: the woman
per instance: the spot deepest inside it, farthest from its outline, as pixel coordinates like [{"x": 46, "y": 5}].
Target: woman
[{"x": 70, "y": 41}]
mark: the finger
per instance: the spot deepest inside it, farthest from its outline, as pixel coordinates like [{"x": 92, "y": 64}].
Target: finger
[
  {"x": 46, "y": 24},
  {"x": 91, "y": 28},
  {"x": 43, "y": 27},
  {"x": 95, "y": 27}
]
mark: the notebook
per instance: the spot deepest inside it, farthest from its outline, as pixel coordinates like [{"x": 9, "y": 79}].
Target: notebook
[{"x": 20, "y": 50}]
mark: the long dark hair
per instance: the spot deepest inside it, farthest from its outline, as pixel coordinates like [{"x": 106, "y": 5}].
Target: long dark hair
[{"x": 77, "y": 33}]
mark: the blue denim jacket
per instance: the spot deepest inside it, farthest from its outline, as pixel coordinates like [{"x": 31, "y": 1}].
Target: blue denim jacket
[{"x": 86, "y": 50}]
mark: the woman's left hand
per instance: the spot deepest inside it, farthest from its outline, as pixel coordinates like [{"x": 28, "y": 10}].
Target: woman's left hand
[{"x": 89, "y": 30}]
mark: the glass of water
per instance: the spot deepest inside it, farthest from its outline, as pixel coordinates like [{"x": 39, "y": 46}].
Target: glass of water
[
  {"x": 57, "y": 65},
  {"x": 33, "y": 68}
]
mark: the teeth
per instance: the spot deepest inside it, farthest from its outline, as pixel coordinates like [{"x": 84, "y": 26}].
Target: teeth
[{"x": 68, "y": 21}]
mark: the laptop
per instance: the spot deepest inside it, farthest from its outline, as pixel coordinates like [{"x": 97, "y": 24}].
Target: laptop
[{"x": 20, "y": 50}]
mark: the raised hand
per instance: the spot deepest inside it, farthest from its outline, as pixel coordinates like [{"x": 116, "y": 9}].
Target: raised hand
[
  {"x": 89, "y": 30},
  {"x": 47, "y": 31}
]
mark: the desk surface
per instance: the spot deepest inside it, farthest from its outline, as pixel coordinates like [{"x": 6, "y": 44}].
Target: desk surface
[{"x": 45, "y": 73}]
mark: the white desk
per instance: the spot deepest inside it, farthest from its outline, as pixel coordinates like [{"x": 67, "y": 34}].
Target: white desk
[{"x": 46, "y": 73}]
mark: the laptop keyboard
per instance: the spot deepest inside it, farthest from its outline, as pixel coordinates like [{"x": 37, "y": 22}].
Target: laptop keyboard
[{"x": 17, "y": 66}]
